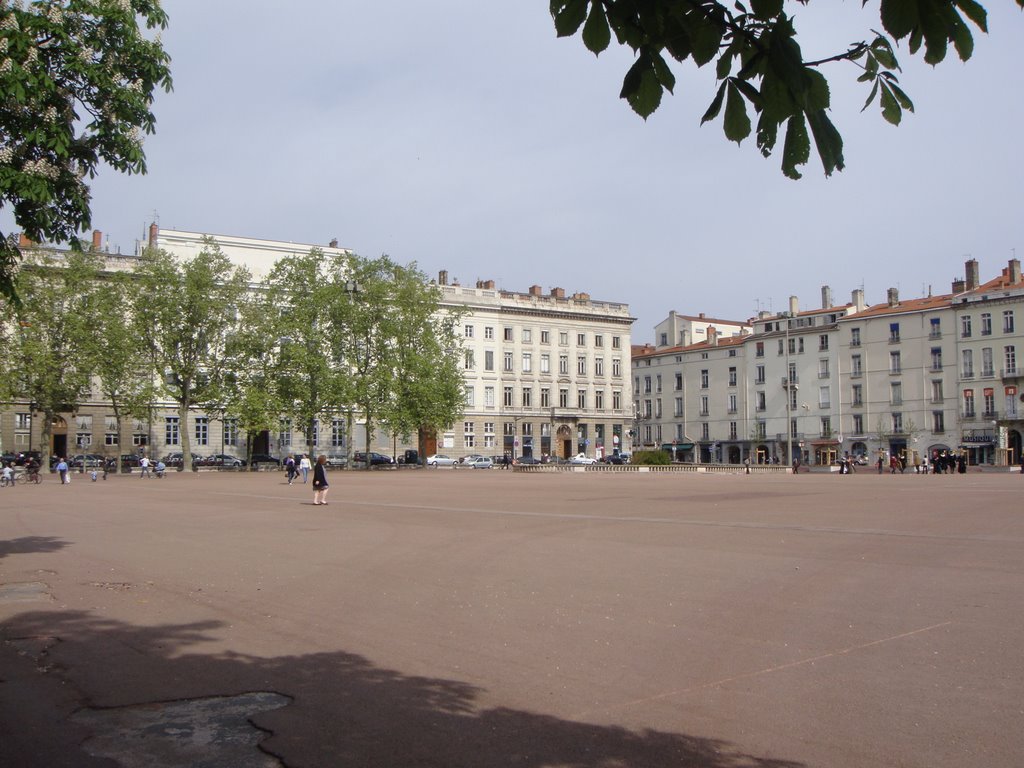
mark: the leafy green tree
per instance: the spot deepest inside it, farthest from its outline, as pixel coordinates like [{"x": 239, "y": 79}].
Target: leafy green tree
[
  {"x": 400, "y": 348},
  {"x": 302, "y": 297},
  {"x": 759, "y": 63},
  {"x": 427, "y": 393},
  {"x": 46, "y": 359},
  {"x": 77, "y": 78},
  {"x": 119, "y": 354},
  {"x": 188, "y": 312}
]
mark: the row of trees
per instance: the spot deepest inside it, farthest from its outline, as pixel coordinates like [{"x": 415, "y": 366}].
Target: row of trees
[{"x": 320, "y": 336}]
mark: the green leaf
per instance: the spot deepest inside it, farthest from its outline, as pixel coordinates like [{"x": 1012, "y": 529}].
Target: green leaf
[
  {"x": 871, "y": 96},
  {"x": 797, "y": 148},
  {"x": 737, "y": 122},
  {"x": 963, "y": 41},
  {"x": 883, "y": 53},
  {"x": 974, "y": 12},
  {"x": 901, "y": 97},
  {"x": 716, "y": 105},
  {"x": 766, "y": 10},
  {"x": 890, "y": 107},
  {"x": 827, "y": 141},
  {"x": 596, "y": 33},
  {"x": 641, "y": 87},
  {"x": 568, "y": 16},
  {"x": 705, "y": 37},
  {"x": 899, "y": 17}
]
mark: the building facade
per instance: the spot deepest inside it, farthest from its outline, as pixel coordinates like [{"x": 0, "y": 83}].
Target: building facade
[
  {"x": 906, "y": 378},
  {"x": 545, "y": 374}
]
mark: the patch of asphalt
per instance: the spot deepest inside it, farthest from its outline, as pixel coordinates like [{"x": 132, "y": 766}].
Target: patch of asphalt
[{"x": 211, "y": 732}]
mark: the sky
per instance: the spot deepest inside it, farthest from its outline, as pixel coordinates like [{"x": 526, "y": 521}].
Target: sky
[{"x": 464, "y": 135}]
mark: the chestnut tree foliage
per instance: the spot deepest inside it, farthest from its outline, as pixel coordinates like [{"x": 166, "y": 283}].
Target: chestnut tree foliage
[
  {"x": 77, "y": 79},
  {"x": 760, "y": 68}
]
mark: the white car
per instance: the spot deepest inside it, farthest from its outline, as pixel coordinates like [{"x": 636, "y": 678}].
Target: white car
[
  {"x": 440, "y": 460},
  {"x": 582, "y": 458},
  {"x": 480, "y": 462}
]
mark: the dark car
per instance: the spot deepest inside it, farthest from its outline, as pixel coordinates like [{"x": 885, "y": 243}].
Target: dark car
[
  {"x": 376, "y": 459},
  {"x": 264, "y": 458},
  {"x": 175, "y": 460},
  {"x": 614, "y": 459}
]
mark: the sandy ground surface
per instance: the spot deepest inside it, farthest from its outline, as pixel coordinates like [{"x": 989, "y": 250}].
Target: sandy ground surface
[{"x": 490, "y": 618}]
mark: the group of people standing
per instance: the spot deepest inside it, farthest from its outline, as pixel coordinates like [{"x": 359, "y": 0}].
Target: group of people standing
[{"x": 293, "y": 469}]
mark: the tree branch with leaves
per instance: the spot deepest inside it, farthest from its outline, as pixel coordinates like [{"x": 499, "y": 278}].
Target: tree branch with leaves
[{"x": 760, "y": 66}]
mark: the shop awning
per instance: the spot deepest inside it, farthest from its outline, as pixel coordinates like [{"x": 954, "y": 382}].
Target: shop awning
[{"x": 678, "y": 446}]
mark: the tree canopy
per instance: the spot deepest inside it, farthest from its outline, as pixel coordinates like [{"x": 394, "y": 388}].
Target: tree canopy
[
  {"x": 759, "y": 64},
  {"x": 77, "y": 78}
]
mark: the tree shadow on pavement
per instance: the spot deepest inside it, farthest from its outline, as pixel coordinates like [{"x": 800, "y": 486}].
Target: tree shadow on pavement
[
  {"x": 29, "y": 544},
  {"x": 346, "y": 711}
]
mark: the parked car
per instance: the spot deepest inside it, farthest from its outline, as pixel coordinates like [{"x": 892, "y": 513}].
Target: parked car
[
  {"x": 527, "y": 460},
  {"x": 223, "y": 460},
  {"x": 582, "y": 458},
  {"x": 614, "y": 459},
  {"x": 129, "y": 461},
  {"x": 411, "y": 456},
  {"x": 334, "y": 460},
  {"x": 174, "y": 460},
  {"x": 440, "y": 460},
  {"x": 376, "y": 459},
  {"x": 264, "y": 458},
  {"x": 471, "y": 458},
  {"x": 480, "y": 462}
]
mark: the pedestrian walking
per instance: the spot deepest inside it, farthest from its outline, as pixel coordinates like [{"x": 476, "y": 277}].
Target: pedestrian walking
[
  {"x": 8, "y": 475},
  {"x": 144, "y": 467},
  {"x": 304, "y": 467},
  {"x": 289, "y": 468},
  {"x": 62, "y": 470},
  {"x": 320, "y": 485}
]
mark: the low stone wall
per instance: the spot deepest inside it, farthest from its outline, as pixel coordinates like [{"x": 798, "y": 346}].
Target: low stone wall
[{"x": 735, "y": 469}]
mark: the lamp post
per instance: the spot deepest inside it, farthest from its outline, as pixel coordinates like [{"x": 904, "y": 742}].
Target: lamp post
[{"x": 353, "y": 289}]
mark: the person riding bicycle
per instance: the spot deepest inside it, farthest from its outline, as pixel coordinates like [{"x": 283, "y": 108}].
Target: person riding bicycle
[{"x": 32, "y": 469}]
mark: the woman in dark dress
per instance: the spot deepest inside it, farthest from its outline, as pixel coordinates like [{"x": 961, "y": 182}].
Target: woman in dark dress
[{"x": 320, "y": 485}]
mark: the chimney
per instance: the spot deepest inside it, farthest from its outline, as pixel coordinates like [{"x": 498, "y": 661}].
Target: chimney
[
  {"x": 1014, "y": 271},
  {"x": 712, "y": 336},
  {"x": 826, "y": 297},
  {"x": 971, "y": 270},
  {"x": 794, "y": 306},
  {"x": 959, "y": 286},
  {"x": 558, "y": 293},
  {"x": 487, "y": 285},
  {"x": 894, "y": 297},
  {"x": 154, "y": 231},
  {"x": 536, "y": 290},
  {"x": 333, "y": 243},
  {"x": 23, "y": 241},
  {"x": 97, "y": 240},
  {"x": 857, "y": 298},
  {"x": 442, "y": 277}
]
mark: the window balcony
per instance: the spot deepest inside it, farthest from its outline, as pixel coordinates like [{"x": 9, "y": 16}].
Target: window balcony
[
  {"x": 991, "y": 415},
  {"x": 824, "y": 375},
  {"x": 968, "y": 414},
  {"x": 967, "y": 373},
  {"x": 856, "y": 374},
  {"x": 1010, "y": 372}
]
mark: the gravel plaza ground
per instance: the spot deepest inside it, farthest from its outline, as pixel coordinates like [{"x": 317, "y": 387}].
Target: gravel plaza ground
[{"x": 438, "y": 617}]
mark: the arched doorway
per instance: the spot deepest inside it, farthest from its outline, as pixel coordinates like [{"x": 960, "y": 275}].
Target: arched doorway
[{"x": 563, "y": 442}]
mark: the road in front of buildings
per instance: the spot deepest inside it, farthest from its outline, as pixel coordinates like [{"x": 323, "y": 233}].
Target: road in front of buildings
[{"x": 491, "y": 618}]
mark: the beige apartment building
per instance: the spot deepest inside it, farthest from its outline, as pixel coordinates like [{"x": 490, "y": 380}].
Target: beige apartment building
[
  {"x": 545, "y": 374},
  {"x": 904, "y": 377}
]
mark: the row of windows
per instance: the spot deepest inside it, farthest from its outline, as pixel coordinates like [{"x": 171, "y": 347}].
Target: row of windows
[
  {"x": 526, "y": 398},
  {"x": 526, "y": 363},
  {"x": 967, "y": 321},
  {"x": 526, "y": 336}
]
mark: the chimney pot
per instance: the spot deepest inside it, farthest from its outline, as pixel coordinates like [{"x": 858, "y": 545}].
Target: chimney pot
[
  {"x": 442, "y": 277},
  {"x": 794, "y": 305},
  {"x": 826, "y": 297},
  {"x": 154, "y": 232},
  {"x": 333, "y": 243},
  {"x": 97, "y": 240},
  {"x": 1014, "y": 271},
  {"x": 972, "y": 272},
  {"x": 894, "y": 297}
]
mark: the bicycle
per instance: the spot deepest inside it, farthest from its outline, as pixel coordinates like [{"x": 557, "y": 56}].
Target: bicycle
[{"x": 29, "y": 477}]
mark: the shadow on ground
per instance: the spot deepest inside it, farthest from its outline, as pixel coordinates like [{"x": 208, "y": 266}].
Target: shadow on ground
[
  {"x": 29, "y": 544},
  {"x": 344, "y": 710}
]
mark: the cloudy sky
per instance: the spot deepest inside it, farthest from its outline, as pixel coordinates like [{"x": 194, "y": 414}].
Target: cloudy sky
[{"x": 463, "y": 135}]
